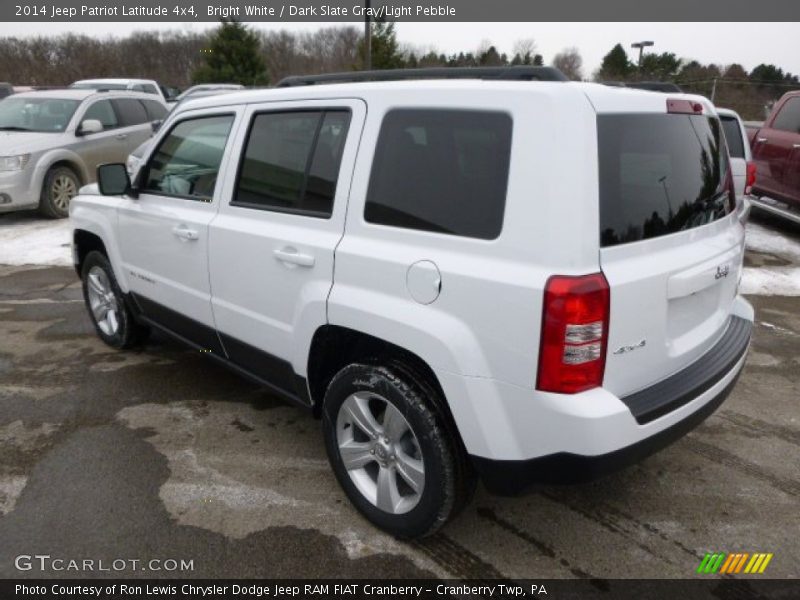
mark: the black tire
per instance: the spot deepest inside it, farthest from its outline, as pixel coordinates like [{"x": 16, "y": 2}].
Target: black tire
[
  {"x": 60, "y": 185},
  {"x": 128, "y": 332},
  {"x": 447, "y": 481}
]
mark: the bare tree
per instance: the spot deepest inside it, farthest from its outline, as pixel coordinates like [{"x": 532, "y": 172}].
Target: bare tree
[{"x": 569, "y": 62}]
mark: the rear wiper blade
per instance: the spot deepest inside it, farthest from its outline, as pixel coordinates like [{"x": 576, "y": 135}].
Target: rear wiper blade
[{"x": 13, "y": 128}]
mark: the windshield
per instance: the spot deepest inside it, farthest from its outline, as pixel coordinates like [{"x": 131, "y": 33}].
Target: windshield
[
  {"x": 660, "y": 174},
  {"x": 36, "y": 114}
]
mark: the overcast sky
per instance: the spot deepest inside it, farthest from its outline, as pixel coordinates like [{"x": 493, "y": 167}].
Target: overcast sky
[{"x": 746, "y": 43}]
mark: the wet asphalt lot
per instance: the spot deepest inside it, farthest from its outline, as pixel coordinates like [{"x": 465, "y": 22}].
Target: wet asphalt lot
[{"x": 160, "y": 453}]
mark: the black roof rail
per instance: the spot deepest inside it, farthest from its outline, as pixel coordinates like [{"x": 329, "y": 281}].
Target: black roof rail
[{"x": 515, "y": 73}]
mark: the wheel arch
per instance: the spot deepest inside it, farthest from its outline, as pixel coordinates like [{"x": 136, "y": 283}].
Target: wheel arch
[{"x": 333, "y": 347}]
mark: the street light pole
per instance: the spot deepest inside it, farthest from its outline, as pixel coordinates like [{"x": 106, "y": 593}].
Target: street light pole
[
  {"x": 641, "y": 46},
  {"x": 367, "y": 37}
]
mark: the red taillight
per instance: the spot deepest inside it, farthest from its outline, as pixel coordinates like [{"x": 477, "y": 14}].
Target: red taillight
[
  {"x": 750, "y": 181},
  {"x": 572, "y": 354}
]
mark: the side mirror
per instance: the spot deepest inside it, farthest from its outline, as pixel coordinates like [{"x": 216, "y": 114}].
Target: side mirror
[
  {"x": 113, "y": 180},
  {"x": 90, "y": 126},
  {"x": 156, "y": 125}
]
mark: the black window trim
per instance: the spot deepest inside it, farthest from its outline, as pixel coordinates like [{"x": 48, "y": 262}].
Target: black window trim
[
  {"x": 446, "y": 234},
  {"x": 146, "y": 169},
  {"x": 316, "y": 214}
]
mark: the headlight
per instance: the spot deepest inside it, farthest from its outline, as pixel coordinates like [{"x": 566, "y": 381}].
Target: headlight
[{"x": 14, "y": 163}]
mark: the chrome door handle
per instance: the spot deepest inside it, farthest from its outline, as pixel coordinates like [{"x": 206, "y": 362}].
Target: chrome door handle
[
  {"x": 291, "y": 256},
  {"x": 185, "y": 233},
  {"x": 122, "y": 136},
  {"x": 761, "y": 140}
]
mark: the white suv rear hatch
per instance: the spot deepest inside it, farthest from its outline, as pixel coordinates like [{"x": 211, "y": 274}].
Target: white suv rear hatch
[{"x": 671, "y": 249}]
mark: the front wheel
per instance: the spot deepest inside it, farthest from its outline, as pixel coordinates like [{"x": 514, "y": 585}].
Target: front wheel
[
  {"x": 389, "y": 451},
  {"x": 110, "y": 314},
  {"x": 59, "y": 188}
]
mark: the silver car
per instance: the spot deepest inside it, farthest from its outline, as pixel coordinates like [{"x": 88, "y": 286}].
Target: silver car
[{"x": 51, "y": 142}]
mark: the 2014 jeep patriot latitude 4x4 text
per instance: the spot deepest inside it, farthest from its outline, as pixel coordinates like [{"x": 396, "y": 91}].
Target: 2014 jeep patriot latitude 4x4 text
[{"x": 513, "y": 280}]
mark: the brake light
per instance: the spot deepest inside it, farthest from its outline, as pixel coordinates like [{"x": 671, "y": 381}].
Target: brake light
[
  {"x": 684, "y": 107},
  {"x": 572, "y": 353},
  {"x": 750, "y": 180}
]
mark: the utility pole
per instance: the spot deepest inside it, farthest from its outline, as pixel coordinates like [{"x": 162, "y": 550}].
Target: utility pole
[
  {"x": 367, "y": 36},
  {"x": 641, "y": 46}
]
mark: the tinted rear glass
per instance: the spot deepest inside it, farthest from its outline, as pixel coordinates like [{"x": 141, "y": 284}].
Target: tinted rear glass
[
  {"x": 659, "y": 174},
  {"x": 444, "y": 171},
  {"x": 733, "y": 136}
]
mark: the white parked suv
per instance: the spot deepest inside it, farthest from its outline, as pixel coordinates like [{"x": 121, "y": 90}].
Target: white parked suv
[{"x": 513, "y": 280}]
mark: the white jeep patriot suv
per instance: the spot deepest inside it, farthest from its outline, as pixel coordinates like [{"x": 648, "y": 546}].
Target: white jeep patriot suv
[{"x": 502, "y": 275}]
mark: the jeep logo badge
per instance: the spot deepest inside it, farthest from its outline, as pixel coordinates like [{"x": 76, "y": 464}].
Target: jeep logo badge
[{"x": 722, "y": 271}]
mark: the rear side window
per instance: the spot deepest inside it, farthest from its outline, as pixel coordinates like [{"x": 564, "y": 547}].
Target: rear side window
[
  {"x": 130, "y": 111},
  {"x": 788, "y": 118},
  {"x": 155, "y": 110},
  {"x": 444, "y": 171},
  {"x": 659, "y": 174},
  {"x": 733, "y": 136},
  {"x": 291, "y": 162}
]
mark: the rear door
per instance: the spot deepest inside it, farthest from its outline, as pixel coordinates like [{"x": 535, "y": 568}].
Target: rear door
[
  {"x": 134, "y": 127},
  {"x": 671, "y": 248},
  {"x": 272, "y": 244}
]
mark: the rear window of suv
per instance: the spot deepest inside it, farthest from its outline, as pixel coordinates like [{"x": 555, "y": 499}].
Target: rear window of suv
[
  {"x": 444, "y": 171},
  {"x": 659, "y": 174}
]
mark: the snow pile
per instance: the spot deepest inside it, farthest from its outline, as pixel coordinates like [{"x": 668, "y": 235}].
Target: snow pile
[
  {"x": 28, "y": 239},
  {"x": 767, "y": 280}
]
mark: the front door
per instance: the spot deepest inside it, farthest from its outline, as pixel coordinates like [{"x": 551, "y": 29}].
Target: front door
[{"x": 164, "y": 232}]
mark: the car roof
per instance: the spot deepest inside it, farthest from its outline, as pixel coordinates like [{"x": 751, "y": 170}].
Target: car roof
[
  {"x": 727, "y": 112},
  {"x": 602, "y": 97},
  {"x": 73, "y": 94},
  {"x": 113, "y": 80}
]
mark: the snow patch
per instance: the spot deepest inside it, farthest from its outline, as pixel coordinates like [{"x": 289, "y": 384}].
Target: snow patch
[
  {"x": 26, "y": 239},
  {"x": 771, "y": 281}
]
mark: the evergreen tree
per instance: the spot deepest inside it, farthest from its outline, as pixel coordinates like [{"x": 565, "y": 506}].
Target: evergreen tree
[
  {"x": 233, "y": 56},
  {"x": 384, "y": 47},
  {"x": 615, "y": 65}
]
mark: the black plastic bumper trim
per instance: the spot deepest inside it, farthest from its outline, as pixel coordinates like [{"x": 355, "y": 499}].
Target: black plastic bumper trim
[{"x": 684, "y": 386}]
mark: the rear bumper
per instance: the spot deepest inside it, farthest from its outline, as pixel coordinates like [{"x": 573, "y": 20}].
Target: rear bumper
[{"x": 656, "y": 417}]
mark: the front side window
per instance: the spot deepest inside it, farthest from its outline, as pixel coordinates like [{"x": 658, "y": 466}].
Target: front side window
[
  {"x": 102, "y": 111},
  {"x": 186, "y": 162},
  {"x": 444, "y": 171},
  {"x": 660, "y": 174},
  {"x": 788, "y": 118},
  {"x": 291, "y": 162},
  {"x": 36, "y": 114}
]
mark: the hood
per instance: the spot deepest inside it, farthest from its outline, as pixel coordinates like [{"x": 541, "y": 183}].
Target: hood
[{"x": 24, "y": 142}]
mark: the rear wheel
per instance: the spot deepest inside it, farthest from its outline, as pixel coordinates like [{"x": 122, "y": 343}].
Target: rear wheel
[
  {"x": 390, "y": 453},
  {"x": 60, "y": 186},
  {"x": 110, "y": 314}
]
